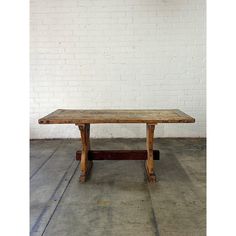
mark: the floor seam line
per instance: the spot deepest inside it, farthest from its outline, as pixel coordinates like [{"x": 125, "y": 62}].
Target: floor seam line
[
  {"x": 154, "y": 221},
  {"x": 153, "y": 214},
  {"x": 61, "y": 198},
  {"x": 37, "y": 223},
  {"x": 50, "y": 156},
  {"x": 52, "y": 196}
]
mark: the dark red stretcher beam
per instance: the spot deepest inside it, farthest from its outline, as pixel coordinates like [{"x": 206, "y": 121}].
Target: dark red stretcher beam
[{"x": 118, "y": 155}]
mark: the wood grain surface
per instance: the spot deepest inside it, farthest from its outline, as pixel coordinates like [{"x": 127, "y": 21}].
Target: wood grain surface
[{"x": 67, "y": 116}]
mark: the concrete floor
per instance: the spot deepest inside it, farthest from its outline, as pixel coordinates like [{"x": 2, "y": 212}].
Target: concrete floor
[{"x": 117, "y": 200}]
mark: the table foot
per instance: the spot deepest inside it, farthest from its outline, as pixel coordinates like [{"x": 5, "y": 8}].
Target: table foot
[
  {"x": 151, "y": 177},
  {"x": 84, "y": 176}
]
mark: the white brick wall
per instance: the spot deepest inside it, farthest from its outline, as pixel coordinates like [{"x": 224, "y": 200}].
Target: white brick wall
[{"x": 118, "y": 54}]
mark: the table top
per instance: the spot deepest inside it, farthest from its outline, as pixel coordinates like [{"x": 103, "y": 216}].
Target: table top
[{"x": 69, "y": 116}]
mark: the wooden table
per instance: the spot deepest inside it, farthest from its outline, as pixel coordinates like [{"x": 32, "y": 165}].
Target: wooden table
[{"x": 83, "y": 119}]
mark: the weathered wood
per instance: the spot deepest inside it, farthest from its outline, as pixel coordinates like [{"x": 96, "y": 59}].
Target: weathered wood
[
  {"x": 118, "y": 155},
  {"x": 65, "y": 116},
  {"x": 85, "y": 164},
  {"x": 150, "y": 160},
  {"x": 83, "y": 118}
]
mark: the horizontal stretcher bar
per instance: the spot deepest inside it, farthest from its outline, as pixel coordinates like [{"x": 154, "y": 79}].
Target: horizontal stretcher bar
[{"x": 118, "y": 155}]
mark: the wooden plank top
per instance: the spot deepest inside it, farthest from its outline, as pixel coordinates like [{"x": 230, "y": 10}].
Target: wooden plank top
[{"x": 67, "y": 116}]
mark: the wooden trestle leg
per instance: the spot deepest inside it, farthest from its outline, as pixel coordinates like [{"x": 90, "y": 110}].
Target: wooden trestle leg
[
  {"x": 150, "y": 162},
  {"x": 85, "y": 164}
]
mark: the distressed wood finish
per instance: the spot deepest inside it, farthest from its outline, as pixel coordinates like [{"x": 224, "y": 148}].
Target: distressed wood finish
[
  {"x": 62, "y": 116},
  {"x": 85, "y": 164},
  {"x": 118, "y": 155},
  {"x": 150, "y": 161},
  {"x": 83, "y": 118}
]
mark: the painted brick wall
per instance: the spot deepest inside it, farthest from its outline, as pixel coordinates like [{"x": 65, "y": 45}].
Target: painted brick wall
[{"x": 117, "y": 54}]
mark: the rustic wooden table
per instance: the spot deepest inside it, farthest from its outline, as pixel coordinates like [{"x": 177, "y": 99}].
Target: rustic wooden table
[{"x": 83, "y": 119}]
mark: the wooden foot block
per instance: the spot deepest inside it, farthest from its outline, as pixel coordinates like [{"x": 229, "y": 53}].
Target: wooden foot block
[
  {"x": 151, "y": 177},
  {"x": 84, "y": 176}
]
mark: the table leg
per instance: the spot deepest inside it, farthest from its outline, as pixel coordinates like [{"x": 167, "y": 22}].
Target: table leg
[
  {"x": 150, "y": 162},
  {"x": 85, "y": 164}
]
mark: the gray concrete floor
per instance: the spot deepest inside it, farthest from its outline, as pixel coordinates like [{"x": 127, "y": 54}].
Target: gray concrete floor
[{"x": 117, "y": 200}]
